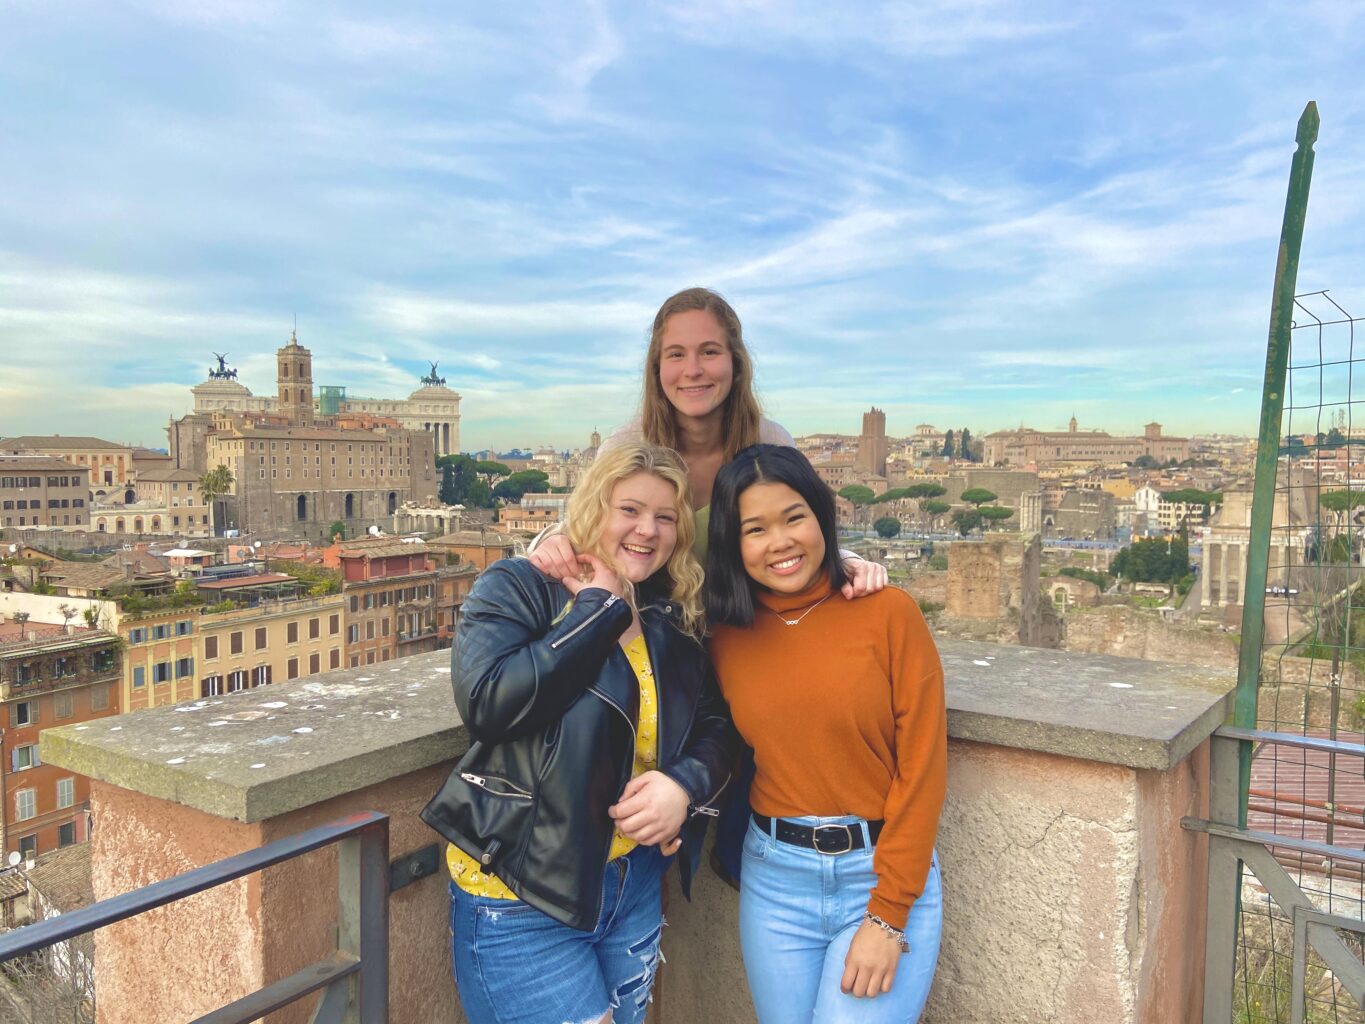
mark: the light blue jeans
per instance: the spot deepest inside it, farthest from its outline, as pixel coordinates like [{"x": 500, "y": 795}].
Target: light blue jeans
[
  {"x": 515, "y": 965},
  {"x": 798, "y": 911}
]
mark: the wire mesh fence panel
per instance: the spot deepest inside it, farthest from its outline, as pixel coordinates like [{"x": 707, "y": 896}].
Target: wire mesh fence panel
[{"x": 1312, "y": 672}]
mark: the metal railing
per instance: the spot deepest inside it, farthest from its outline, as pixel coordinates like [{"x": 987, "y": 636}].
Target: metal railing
[
  {"x": 1274, "y": 858},
  {"x": 354, "y": 980}
]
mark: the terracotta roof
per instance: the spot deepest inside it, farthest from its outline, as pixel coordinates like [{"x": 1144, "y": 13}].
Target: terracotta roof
[
  {"x": 470, "y": 538},
  {"x": 388, "y": 550},
  {"x": 63, "y": 877},
  {"x": 85, "y": 575}
]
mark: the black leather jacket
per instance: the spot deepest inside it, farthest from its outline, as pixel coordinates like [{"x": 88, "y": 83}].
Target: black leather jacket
[{"x": 551, "y": 704}]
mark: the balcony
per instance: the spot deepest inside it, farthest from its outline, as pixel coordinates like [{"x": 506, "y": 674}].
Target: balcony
[{"x": 1072, "y": 894}]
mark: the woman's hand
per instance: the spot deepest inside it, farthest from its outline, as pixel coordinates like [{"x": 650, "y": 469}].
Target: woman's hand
[
  {"x": 864, "y": 577},
  {"x": 591, "y": 571},
  {"x": 651, "y": 811},
  {"x": 555, "y": 556},
  {"x": 870, "y": 967}
]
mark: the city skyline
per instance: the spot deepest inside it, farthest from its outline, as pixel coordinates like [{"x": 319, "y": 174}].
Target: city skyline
[{"x": 966, "y": 212}]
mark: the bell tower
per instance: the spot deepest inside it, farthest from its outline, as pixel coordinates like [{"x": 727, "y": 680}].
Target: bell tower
[{"x": 294, "y": 379}]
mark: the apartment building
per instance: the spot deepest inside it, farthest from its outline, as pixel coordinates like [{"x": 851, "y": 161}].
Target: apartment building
[
  {"x": 50, "y": 674},
  {"x": 39, "y": 490},
  {"x": 390, "y": 588},
  {"x": 178, "y": 654}
]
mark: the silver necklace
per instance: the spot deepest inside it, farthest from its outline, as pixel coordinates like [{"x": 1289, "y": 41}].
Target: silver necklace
[{"x": 797, "y": 621}]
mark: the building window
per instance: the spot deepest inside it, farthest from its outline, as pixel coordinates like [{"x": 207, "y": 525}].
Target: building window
[
  {"x": 161, "y": 672},
  {"x": 211, "y": 686},
  {"x": 184, "y": 667},
  {"x": 137, "y": 636},
  {"x": 139, "y": 677},
  {"x": 26, "y": 672},
  {"x": 355, "y": 604},
  {"x": 291, "y": 633},
  {"x": 24, "y": 712},
  {"x": 25, "y": 804},
  {"x": 369, "y": 630},
  {"x": 99, "y": 698},
  {"x": 314, "y": 663},
  {"x": 66, "y": 833},
  {"x": 352, "y": 634},
  {"x": 63, "y": 705},
  {"x": 260, "y": 675},
  {"x": 334, "y": 659},
  {"x": 24, "y": 757},
  {"x": 210, "y": 648},
  {"x": 65, "y": 666},
  {"x": 384, "y": 628},
  {"x": 103, "y": 661},
  {"x": 236, "y": 680},
  {"x": 235, "y": 643},
  {"x": 28, "y": 846},
  {"x": 292, "y": 668},
  {"x": 260, "y": 638},
  {"x": 184, "y": 628},
  {"x": 333, "y": 625},
  {"x": 66, "y": 792},
  {"x": 161, "y": 631},
  {"x": 314, "y": 628}
]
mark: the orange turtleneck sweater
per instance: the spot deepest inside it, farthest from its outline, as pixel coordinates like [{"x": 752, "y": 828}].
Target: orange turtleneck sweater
[{"x": 845, "y": 712}]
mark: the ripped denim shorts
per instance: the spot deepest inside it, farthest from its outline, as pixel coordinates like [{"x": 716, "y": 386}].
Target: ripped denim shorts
[{"x": 515, "y": 965}]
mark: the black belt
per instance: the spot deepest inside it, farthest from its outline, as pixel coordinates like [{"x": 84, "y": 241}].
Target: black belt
[{"x": 831, "y": 839}]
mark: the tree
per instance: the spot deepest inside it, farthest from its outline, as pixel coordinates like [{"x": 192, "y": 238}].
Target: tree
[
  {"x": 934, "y": 509},
  {"x": 1335, "y": 438},
  {"x": 528, "y": 481},
  {"x": 966, "y": 520},
  {"x": 1341, "y": 501},
  {"x": 490, "y": 470},
  {"x": 461, "y": 483},
  {"x": 925, "y": 491},
  {"x": 887, "y": 526},
  {"x": 860, "y": 495},
  {"x": 337, "y": 531},
  {"x": 964, "y": 444},
  {"x": 995, "y": 514},
  {"x": 213, "y": 485},
  {"x": 894, "y": 494},
  {"x": 948, "y": 449},
  {"x": 977, "y": 496},
  {"x": 1145, "y": 462}
]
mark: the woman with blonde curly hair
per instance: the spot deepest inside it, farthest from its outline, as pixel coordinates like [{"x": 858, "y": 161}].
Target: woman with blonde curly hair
[{"x": 598, "y": 741}]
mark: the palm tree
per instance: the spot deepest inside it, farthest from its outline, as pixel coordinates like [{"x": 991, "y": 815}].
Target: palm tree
[{"x": 212, "y": 485}]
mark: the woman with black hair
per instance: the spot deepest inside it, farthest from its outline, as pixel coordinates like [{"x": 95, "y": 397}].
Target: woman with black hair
[{"x": 842, "y": 702}]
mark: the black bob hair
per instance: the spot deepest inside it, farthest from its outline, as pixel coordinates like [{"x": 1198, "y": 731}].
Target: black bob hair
[{"x": 729, "y": 592}]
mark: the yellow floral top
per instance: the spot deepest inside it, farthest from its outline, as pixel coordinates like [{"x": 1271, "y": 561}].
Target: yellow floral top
[{"x": 464, "y": 869}]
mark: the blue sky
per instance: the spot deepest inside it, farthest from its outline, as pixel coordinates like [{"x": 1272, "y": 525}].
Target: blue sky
[{"x": 965, "y": 212}]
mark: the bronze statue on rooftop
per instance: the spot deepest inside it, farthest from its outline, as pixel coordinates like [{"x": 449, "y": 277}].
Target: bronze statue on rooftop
[
  {"x": 432, "y": 380},
  {"x": 223, "y": 372}
]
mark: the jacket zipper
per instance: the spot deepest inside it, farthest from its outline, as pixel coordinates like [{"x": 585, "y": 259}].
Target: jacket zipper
[
  {"x": 482, "y": 781},
  {"x": 707, "y": 808},
  {"x": 611, "y": 600}
]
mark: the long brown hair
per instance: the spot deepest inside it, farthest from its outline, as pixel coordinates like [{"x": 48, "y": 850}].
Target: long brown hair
[
  {"x": 740, "y": 413},
  {"x": 590, "y": 502}
]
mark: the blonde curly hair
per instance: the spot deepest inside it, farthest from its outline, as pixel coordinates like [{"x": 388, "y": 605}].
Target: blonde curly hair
[{"x": 590, "y": 503}]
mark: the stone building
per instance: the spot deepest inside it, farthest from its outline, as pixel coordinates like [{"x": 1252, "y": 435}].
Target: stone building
[
  {"x": 1028, "y": 447},
  {"x": 872, "y": 445},
  {"x": 433, "y": 408},
  {"x": 1083, "y": 514},
  {"x": 111, "y": 466},
  {"x": 993, "y": 592},
  {"x": 298, "y": 465},
  {"x": 41, "y": 490},
  {"x": 50, "y": 674}
]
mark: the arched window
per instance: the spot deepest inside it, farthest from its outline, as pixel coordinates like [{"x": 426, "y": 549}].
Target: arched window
[
  {"x": 349, "y": 507},
  {"x": 393, "y": 502},
  {"x": 137, "y": 525},
  {"x": 129, "y": 496},
  {"x": 156, "y": 524},
  {"x": 302, "y": 507},
  {"x": 100, "y": 527},
  {"x": 118, "y": 525}
]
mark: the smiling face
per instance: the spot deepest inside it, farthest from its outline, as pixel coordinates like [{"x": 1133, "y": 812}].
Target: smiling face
[
  {"x": 641, "y": 528},
  {"x": 780, "y": 541},
  {"x": 695, "y": 366}
]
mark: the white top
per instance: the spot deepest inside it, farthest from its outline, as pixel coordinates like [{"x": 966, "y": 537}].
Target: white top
[{"x": 768, "y": 433}]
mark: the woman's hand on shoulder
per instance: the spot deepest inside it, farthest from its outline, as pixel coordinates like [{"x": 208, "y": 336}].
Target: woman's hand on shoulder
[
  {"x": 651, "y": 810},
  {"x": 864, "y": 577},
  {"x": 870, "y": 967},
  {"x": 555, "y": 556},
  {"x": 591, "y": 571}
]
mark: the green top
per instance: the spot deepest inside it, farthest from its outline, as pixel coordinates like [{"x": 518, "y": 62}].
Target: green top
[{"x": 702, "y": 518}]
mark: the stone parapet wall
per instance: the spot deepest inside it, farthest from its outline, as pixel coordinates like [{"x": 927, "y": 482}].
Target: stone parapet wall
[{"x": 1132, "y": 633}]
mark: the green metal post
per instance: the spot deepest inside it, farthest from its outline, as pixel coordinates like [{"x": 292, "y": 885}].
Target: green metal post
[{"x": 1268, "y": 448}]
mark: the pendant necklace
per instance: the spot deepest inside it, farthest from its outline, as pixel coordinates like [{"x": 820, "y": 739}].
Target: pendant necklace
[{"x": 797, "y": 621}]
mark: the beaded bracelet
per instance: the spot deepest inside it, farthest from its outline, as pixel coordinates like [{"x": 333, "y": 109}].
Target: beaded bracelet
[{"x": 895, "y": 933}]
